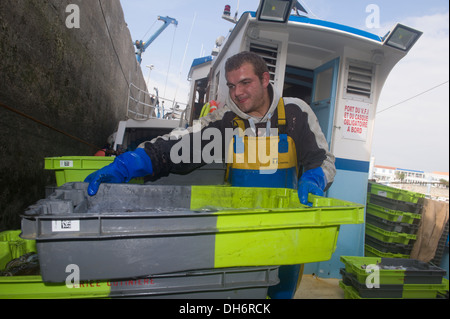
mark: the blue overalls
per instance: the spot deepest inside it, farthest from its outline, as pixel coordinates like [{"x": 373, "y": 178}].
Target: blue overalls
[{"x": 267, "y": 161}]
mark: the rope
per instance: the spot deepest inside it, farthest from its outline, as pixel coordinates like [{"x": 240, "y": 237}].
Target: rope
[
  {"x": 434, "y": 87},
  {"x": 112, "y": 43},
  {"x": 49, "y": 126}
]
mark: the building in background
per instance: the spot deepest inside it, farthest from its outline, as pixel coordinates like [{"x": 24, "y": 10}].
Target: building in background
[{"x": 433, "y": 184}]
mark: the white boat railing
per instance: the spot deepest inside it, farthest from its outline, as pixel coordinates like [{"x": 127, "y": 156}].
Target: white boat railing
[{"x": 142, "y": 105}]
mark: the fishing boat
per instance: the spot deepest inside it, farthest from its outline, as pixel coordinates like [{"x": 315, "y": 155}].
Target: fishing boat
[{"x": 339, "y": 70}]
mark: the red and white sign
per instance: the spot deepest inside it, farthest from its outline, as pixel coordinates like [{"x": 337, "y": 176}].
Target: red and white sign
[{"x": 356, "y": 120}]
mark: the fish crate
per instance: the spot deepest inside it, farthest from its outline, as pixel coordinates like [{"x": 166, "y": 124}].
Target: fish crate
[
  {"x": 13, "y": 247},
  {"x": 388, "y": 247},
  {"x": 76, "y": 168},
  {"x": 393, "y": 271},
  {"x": 442, "y": 246},
  {"x": 390, "y": 226},
  {"x": 389, "y": 236},
  {"x": 370, "y": 251},
  {"x": 224, "y": 283},
  {"x": 394, "y": 193},
  {"x": 393, "y": 215},
  {"x": 130, "y": 230},
  {"x": 391, "y": 291}
]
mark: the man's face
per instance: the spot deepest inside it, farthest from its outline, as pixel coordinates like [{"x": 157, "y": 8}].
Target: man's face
[{"x": 248, "y": 91}]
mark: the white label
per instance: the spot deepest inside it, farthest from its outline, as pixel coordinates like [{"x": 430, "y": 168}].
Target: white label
[
  {"x": 382, "y": 193},
  {"x": 65, "y": 163},
  {"x": 65, "y": 225}
]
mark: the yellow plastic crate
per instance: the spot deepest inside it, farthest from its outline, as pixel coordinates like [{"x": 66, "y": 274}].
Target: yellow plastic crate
[{"x": 76, "y": 168}]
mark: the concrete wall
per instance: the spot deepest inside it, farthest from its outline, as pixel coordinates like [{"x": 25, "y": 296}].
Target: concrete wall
[{"x": 73, "y": 79}]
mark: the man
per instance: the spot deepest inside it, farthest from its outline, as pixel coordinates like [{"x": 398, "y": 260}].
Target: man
[{"x": 253, "y": 106}]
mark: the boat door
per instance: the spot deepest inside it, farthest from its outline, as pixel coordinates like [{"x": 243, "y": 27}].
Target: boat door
[{"x": 323, "y": 98}]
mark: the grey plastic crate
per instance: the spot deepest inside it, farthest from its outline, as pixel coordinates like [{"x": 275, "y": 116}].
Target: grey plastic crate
[
  {"x": 130, "y": 230},
  {"x": 225, "y": 283}
]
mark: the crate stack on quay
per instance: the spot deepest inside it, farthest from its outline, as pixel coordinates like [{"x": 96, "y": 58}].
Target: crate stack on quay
[
  {"x": 391, "y": 278},
  {"x": 392, "y": 220}
]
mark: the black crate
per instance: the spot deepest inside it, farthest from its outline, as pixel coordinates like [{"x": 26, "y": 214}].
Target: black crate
[
  {"x": 394, "y": 204},
  {"x": 391, "y": 226}
]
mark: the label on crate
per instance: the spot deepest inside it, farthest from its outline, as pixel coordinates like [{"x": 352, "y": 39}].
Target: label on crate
[
  {"x": 65, "y": 225},
  {"x": 382, "y": 193},
  {"x": 65, "y": 163}
]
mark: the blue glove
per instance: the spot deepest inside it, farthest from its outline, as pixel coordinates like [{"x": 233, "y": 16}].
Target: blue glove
[
  {"x": 312, "y": 181},
  {"x": 125, "y": 167}
]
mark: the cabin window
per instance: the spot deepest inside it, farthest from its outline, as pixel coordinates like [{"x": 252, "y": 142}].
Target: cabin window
[{"x": 359, "y": 81}]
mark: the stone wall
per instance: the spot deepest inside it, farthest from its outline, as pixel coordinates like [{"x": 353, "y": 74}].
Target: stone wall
[{"x": 72, "y": 79}]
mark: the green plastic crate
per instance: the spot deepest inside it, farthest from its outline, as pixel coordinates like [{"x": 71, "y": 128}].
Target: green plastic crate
[
  {"x": 397, "y": 271},
  {"x": 388, "y": 247},
  {"x": 394, "y": 193},
  {"x": 393, "y": 215},
  {"x": 370, "y": 251},
  {"x": 395, "y": 205},
  {"x": 77, "y": 168},
  {"x": 389, "y": 237},
  {"x": 226, "y": 283},
  {"x": 12, "y": 246}
]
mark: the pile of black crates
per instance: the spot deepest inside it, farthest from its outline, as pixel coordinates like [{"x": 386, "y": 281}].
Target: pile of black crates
[
  {"x": 392, "y": 220},
  {"x": 393, "y": 217}
]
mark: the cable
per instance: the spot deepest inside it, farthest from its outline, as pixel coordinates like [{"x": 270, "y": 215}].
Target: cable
[
  {"x": 413, "y": 97},
  {"x": 112, "y": 43},
  {"x": 149, "y": 30},
  {"x": 170, "y": 60},
  {"x": 49, "y": 126}
]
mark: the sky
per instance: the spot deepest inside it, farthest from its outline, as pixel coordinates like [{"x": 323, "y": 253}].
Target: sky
[{"x": 412, "y": 121}]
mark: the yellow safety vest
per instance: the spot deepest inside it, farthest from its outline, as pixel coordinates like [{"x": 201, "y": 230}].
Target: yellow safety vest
[{"x": 267, "y": 161}]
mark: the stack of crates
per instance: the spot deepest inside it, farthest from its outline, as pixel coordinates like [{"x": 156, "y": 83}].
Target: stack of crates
[
  {"x": 392, "y": 221},
  {"x": 391, "y": 278},
  {"x": 161, "y": 241}
]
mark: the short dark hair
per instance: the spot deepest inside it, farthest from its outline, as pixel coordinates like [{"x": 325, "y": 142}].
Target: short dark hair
[{"x": 236, "y": 61}]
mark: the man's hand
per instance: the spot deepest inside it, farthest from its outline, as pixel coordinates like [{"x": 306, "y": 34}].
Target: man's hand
[
  {"x": 312, "y": 181},
  {"x": 125, "y": 167}
]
